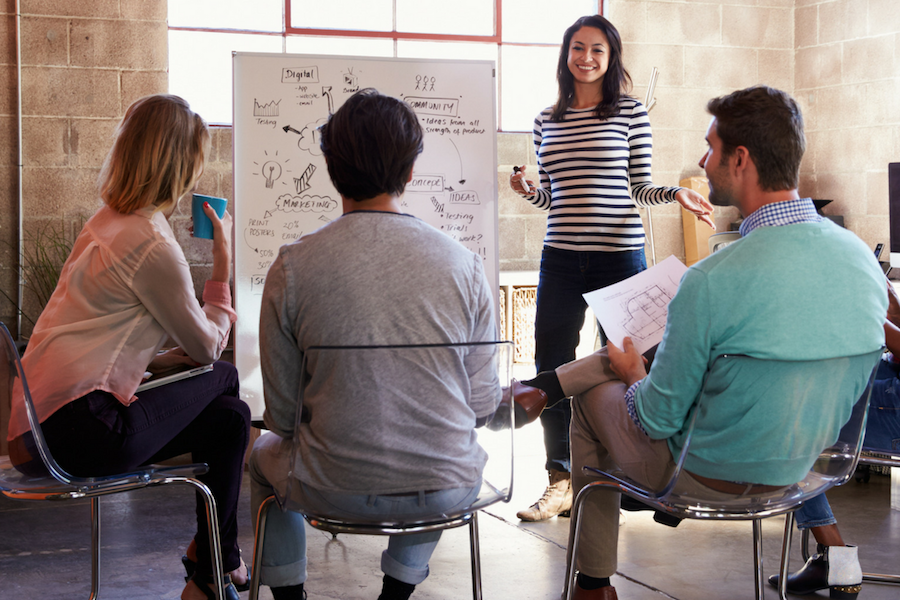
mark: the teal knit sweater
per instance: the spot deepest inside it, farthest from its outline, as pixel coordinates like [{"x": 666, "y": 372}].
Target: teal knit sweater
[{"x": 805, "y": 291}]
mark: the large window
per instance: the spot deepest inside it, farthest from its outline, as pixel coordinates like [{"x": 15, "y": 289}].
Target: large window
[{"x": 521, "y": 36}]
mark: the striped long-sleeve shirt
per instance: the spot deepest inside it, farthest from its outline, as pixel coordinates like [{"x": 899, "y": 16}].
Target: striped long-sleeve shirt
[{"x": 585, "y": 166}]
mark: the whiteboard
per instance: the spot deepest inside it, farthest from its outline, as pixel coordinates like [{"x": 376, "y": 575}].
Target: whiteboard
[{"x": 281, "y": 186}]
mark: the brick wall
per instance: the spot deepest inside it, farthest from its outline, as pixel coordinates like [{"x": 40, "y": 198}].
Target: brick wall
[
  {"x": 83, "y": 63},
  {"x": 848, "y": 81},
  {"x": 839, "y": 58},
  {"x": 702, "y": 49}
]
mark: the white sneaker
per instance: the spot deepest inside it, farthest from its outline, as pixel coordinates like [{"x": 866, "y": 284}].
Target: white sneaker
[{"x": 557, "y": 499}]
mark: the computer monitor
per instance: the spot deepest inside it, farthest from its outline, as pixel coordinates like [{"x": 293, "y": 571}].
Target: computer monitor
[{"x": 894, "y": 207}]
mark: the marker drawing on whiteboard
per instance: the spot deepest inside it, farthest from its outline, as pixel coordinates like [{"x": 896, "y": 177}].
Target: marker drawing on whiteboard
[
  {"x": 269, "y": 109},
  {"x": 271, "y": 169},
  {"x": 326, "y": 91},
  {"x": 309, "y": 137},
  {"x": 302, "y": 183},
  {"x": 462, "y": 179}
]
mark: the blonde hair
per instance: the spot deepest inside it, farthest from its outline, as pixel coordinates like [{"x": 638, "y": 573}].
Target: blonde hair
[{"x": 158, "y": 155}]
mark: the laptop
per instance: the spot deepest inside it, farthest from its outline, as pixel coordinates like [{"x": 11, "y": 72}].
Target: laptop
[{"x": 171, "y": 377}]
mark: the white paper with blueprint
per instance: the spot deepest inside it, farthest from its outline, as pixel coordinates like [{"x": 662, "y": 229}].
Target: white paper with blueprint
[{"x": 637, "y": 307}]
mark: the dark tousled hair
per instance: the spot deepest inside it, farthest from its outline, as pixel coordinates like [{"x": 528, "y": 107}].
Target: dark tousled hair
[
  {"x": 769, "y": 124},
  {"x": 370, "y": 145},
  {"x": 616, "y": 82}
]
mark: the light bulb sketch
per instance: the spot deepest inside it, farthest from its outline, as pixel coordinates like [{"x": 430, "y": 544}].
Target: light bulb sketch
[{"x": 271, "y": 170}]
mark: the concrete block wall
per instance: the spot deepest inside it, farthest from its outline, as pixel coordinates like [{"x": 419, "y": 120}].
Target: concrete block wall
[
  {"x": 83, "y": 63},
  {"x": 702, "y": 50},
  {"x": 848, "y": 82}
]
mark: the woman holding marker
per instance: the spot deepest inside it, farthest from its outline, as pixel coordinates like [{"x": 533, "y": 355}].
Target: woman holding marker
[
  {"x": 594, "y": 149},
  {"x": 125, "y": 289}
]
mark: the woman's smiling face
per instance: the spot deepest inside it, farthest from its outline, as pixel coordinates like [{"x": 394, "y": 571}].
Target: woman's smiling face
[{"x": 588, "y": 55}]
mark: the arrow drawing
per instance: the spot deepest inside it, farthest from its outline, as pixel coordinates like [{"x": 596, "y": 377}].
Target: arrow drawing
[
  {"x": 462, "y": 179},
  {"x": 326, "y": 91}
]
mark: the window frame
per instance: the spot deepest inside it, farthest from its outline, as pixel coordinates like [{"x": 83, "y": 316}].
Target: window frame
[{"x": 496, "y": 39}]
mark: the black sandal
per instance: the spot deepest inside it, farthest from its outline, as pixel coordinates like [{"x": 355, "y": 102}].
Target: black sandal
[
  {"x": 190, "y": 568},
  {"x": 203, "y": 582}
]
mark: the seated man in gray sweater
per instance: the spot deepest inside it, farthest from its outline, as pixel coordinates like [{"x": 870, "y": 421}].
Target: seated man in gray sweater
[{"x": 375, "y": 276}]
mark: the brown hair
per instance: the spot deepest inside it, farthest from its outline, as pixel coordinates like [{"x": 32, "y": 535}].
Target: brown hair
[
  {"x": 616, "y": 82},
  {"x": 158, "y": 155},
  {"x": 769, "y": 124}
]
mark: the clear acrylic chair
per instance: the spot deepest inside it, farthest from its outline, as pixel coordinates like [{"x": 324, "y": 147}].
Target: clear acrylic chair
[
  {"x": 496, "y": 436},
  {"x": 58, "y": 485},
  {"x": 787, "y": 380}
]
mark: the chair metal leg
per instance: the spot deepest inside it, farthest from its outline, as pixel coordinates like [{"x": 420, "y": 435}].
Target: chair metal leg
[
  {"x": 574, "y": 532},
  {"x": 758, "y": 558},
  {"x": 785, "y": 555},
  {"x": 215, "y": 540},
  {"x": 475, "y": 551},
  {"x": 95, "y": 548},
  {"x": 258, "y": 544}
]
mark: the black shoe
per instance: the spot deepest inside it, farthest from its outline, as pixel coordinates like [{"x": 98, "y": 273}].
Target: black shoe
[
  {"x": 190, "y": 567},
  {"x": 837, "y": 563},
  {"x": 663, "y": 518},
  {"x": 203, "y": 582}
]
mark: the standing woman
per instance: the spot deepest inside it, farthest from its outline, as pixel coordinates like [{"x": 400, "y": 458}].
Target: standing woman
[
  {"x": 594, "y": 150},
  {"x": 125, "y": 289}
]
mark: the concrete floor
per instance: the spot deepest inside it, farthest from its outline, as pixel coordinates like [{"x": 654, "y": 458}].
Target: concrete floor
[{"x": 44, "y": 548}]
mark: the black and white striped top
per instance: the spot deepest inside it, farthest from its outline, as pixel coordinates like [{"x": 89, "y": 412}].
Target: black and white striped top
[{"x": 585, "y": 163}]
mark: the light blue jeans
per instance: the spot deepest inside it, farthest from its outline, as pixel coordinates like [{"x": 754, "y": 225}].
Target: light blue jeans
[
  {"x": 284, "y": 554},
  {"x": 882, "y": 435}
]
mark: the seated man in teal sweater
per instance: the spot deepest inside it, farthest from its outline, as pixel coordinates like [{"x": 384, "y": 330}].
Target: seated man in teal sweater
[{"x": 780, "y": 292}]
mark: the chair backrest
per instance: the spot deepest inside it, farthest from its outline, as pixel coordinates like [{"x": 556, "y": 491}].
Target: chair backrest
[
  {"x": 424, "y": 389},
  {"x": 789, "y": 381},
  {"x": 785, "y": 381},
  {"x": 15, "y": 385}
]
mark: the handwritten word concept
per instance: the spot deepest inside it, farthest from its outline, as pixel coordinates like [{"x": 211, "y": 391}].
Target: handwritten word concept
[{"x": 426, "y": 183}]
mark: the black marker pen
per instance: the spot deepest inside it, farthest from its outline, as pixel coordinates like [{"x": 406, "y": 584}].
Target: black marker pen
[{"x": 522, "y": 180}]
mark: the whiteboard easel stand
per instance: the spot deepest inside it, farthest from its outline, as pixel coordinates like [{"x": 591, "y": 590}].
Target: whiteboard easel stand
[{"x": 649, "y": 103}]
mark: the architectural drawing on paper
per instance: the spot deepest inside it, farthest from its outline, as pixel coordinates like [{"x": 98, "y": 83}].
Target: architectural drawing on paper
[{"x": 646, "y": 312}]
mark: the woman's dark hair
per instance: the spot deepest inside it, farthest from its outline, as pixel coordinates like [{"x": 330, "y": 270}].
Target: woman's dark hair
[
  {"x": 769, "y": 124},
  {"x": 370, "y": 145},
  {"x": 616, "y": 82}
]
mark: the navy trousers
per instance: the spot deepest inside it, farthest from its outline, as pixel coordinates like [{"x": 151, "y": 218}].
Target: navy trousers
[
  {"x": 97, "y": 435},
  {"x": 565, "y": 275}
]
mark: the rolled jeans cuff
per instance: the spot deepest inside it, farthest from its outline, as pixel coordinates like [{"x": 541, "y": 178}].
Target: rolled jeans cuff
[
  {"x": 402, "y": 572},
  {"x": 820, "y": 523},
  {"x": 284, "y": 575}
]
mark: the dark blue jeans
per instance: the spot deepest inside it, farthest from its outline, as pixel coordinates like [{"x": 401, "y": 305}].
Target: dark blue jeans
[
  {"x": 565, "y": 276},
  {"x": 203, "y": 415},
  {"x": 882, "y": 435}
]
